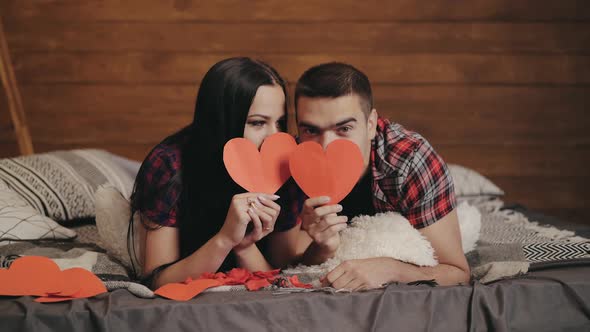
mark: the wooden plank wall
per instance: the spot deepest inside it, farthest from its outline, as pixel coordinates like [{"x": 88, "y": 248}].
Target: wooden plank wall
[
  {"x": 500, "y": 86},
  {"x": 8, "y": 143}
]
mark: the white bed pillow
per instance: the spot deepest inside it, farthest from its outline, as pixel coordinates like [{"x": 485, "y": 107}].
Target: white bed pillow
[
  {"x": 19, "y": 221},
  {"x": 112, "y": 221},
  {"x": 470, "y": 183},
  {"x": 131, "y": 167}
]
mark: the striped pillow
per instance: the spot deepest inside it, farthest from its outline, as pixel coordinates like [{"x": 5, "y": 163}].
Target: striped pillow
[{"x": 61, "y": 184}]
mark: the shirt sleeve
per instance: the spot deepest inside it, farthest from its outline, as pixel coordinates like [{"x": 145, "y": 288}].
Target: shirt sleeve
[
  {"x": 428, "y": 191},
  {"x": 161, "y": 189}
]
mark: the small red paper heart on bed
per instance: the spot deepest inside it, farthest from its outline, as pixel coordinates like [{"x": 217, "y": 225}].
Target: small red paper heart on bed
[
  {"x": 263, "y": 171},
  {"x": 184, "y": 291},
  {"x": 332, "y": 173}
]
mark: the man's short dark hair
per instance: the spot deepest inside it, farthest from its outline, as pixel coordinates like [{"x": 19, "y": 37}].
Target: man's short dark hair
[{"x": 332, "y": 80}]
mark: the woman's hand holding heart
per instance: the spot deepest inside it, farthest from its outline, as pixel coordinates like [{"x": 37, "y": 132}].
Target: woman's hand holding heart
[
  {"x": 263, "y": 212},
  {"x": 258, "y": 209}
]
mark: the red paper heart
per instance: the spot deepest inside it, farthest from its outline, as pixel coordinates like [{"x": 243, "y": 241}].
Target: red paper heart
[
  {"x": 184, "y": 291},
  {"x": 31, "y": 275},
  {"x": 262, "y": 171},
  {"x": 40, "y": 276},
  {"x": 256, "y": 284},
  {"x": 79, "y": 283},
  {"x": 332, "y": 173}
]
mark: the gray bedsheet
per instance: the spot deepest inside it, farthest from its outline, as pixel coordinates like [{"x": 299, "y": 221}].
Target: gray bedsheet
[
  {"x": 529, "y": 303},
  {"x": 551, "y": 297}
]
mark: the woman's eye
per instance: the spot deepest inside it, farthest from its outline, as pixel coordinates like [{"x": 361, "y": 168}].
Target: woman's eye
[{"x": 257, "y": 123}]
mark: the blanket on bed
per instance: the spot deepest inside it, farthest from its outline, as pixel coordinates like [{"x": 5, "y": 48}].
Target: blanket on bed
[{"x": 510, "y": 244}]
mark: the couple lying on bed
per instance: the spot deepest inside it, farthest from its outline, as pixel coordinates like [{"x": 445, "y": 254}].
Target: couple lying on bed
[{"x": 198, "y": 220}]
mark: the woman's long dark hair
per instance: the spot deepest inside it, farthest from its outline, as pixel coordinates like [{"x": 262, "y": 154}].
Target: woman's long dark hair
[{"x": 221, "y": 110}]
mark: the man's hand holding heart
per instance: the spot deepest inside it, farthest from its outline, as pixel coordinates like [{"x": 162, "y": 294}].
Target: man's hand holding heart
[{"x": 326, "y": 177}]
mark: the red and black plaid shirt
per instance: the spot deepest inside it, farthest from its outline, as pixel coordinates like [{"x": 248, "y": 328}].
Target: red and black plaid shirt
[
  {"x": 409, "y": 177},
  {"x": 159, "y": 168}
]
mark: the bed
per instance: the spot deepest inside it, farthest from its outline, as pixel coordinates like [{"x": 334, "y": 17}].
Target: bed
[{"x": 553, "y": 294}]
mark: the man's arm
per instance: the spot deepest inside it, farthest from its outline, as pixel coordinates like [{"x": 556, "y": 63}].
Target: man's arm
[{"x": 445, "y": 237}]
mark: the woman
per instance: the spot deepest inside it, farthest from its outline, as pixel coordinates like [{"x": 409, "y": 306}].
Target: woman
[{"x": 196, "y": 218}]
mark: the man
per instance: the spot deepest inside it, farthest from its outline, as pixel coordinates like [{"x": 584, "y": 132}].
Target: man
[{"x": 402, "y": 174}]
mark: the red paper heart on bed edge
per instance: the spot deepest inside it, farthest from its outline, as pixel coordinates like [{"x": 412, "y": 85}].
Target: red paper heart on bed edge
[
  {"x": 332, "y": 173},
  {"x": 31, "y": 275},
  {"x": 263, "y": 171},
  {"x": 79, "y": 283},
  {"x": 40, "y": 276}
]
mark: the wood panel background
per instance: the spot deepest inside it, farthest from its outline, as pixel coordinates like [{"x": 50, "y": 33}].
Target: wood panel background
[{"x": 499, "y": 86}]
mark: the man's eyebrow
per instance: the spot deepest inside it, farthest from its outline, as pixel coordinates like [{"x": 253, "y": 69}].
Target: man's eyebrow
[
  {"x": 308, "y": 125},
  {"x": 340, "y": 123},
  {"x": 343, "y": 122}
]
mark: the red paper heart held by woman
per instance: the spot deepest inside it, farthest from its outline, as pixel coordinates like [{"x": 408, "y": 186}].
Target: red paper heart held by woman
[{"x": 263, "y": 171}]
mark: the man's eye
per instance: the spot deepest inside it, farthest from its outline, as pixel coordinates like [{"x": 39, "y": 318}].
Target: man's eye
[
  {"x": 310, "y": 131},
  {"x": 345, "y": 129}
]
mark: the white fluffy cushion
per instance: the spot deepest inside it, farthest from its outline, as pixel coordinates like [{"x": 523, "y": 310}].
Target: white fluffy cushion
[
  {"x": 392, "y": 235},
  {"x": 112, "y": 222},
  {"x": 20, "y": 221},
  {"x": 384, "y": 235},
  {"x": 470, "y": 183}
]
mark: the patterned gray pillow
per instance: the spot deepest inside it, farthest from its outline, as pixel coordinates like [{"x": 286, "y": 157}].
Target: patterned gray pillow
[
  {"x": 61, "y": 184},
  {"x": 470, "y": 183},
  {"x": 19, "y": 221}
]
